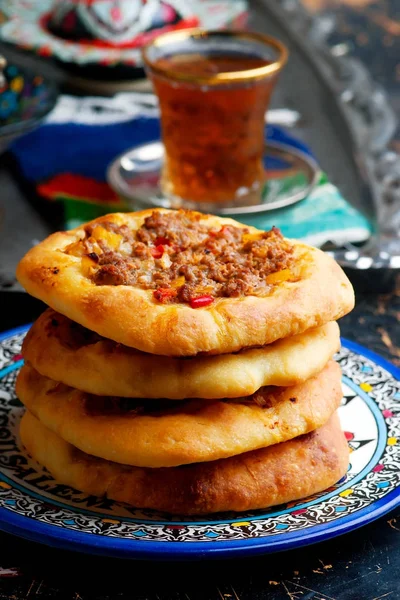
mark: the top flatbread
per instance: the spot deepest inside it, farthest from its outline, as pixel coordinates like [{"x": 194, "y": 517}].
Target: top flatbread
[{"x": 304, "y": 289}]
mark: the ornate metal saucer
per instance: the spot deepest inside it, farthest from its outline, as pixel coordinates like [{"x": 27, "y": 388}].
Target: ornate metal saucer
[{"x": 291, "y": 175}]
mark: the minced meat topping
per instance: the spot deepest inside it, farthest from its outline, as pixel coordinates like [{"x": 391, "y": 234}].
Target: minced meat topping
[{"x": 182, "y": 259}]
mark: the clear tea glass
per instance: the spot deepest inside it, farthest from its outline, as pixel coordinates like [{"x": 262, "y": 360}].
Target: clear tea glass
[{"x": 214, "y": 89}]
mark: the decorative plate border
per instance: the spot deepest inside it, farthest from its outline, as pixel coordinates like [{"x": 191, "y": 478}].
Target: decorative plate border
[{"x": 347, "y": 506}]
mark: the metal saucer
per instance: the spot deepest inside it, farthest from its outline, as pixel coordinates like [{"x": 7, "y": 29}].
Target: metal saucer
[{"x": 291, "y": 175}]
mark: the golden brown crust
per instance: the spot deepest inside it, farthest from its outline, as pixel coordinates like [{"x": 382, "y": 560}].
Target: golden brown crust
[
  {"x": 130, "y": 315},
  {"x": 64, "y": 351},
  {"x": 258, "y": 479},
  {"x": 188, "y": 432}
]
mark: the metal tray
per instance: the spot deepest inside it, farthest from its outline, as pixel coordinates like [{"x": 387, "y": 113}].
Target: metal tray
[{"x": 346, "y": 120}]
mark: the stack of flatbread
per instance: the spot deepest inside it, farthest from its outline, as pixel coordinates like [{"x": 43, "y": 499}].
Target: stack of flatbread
[{"x": 185, "y": 363}]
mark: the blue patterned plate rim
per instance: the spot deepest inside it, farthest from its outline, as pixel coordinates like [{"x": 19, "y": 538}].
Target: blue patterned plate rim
[{"x": 33, "y": 530}]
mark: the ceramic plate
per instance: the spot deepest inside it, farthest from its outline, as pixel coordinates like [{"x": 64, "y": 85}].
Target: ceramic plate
[{"x": 35, "y": 506}]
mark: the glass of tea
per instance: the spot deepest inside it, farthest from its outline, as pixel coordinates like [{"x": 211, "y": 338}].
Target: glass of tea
[{"x": 214, "y": 89}]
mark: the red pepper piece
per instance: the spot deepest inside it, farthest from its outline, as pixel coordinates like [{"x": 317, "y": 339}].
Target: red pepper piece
[
  {"x": 163, "y": 241},
  {"x": 201, "y": 301},
  {"x": 158, "y": 251},
  {"x": 163, "y": 295}
]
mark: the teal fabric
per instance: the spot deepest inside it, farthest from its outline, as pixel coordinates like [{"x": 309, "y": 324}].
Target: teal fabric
[{"x": 324, "y": 216}]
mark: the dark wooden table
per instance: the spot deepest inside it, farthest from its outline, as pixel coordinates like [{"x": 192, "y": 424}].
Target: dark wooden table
[{"x": 362, "y": 565}]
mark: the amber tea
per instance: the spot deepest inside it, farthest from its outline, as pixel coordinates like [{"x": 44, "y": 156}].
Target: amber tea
[
  {"x": 213, "y": 99},
  {"x": 213, "y": 137}
]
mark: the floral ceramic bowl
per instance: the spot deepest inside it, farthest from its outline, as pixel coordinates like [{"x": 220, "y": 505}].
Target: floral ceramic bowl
[{"x": 25, "y": 99}]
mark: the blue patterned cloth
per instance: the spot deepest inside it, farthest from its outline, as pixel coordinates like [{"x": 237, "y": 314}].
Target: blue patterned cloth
[{"x": 67, "y": 159}]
